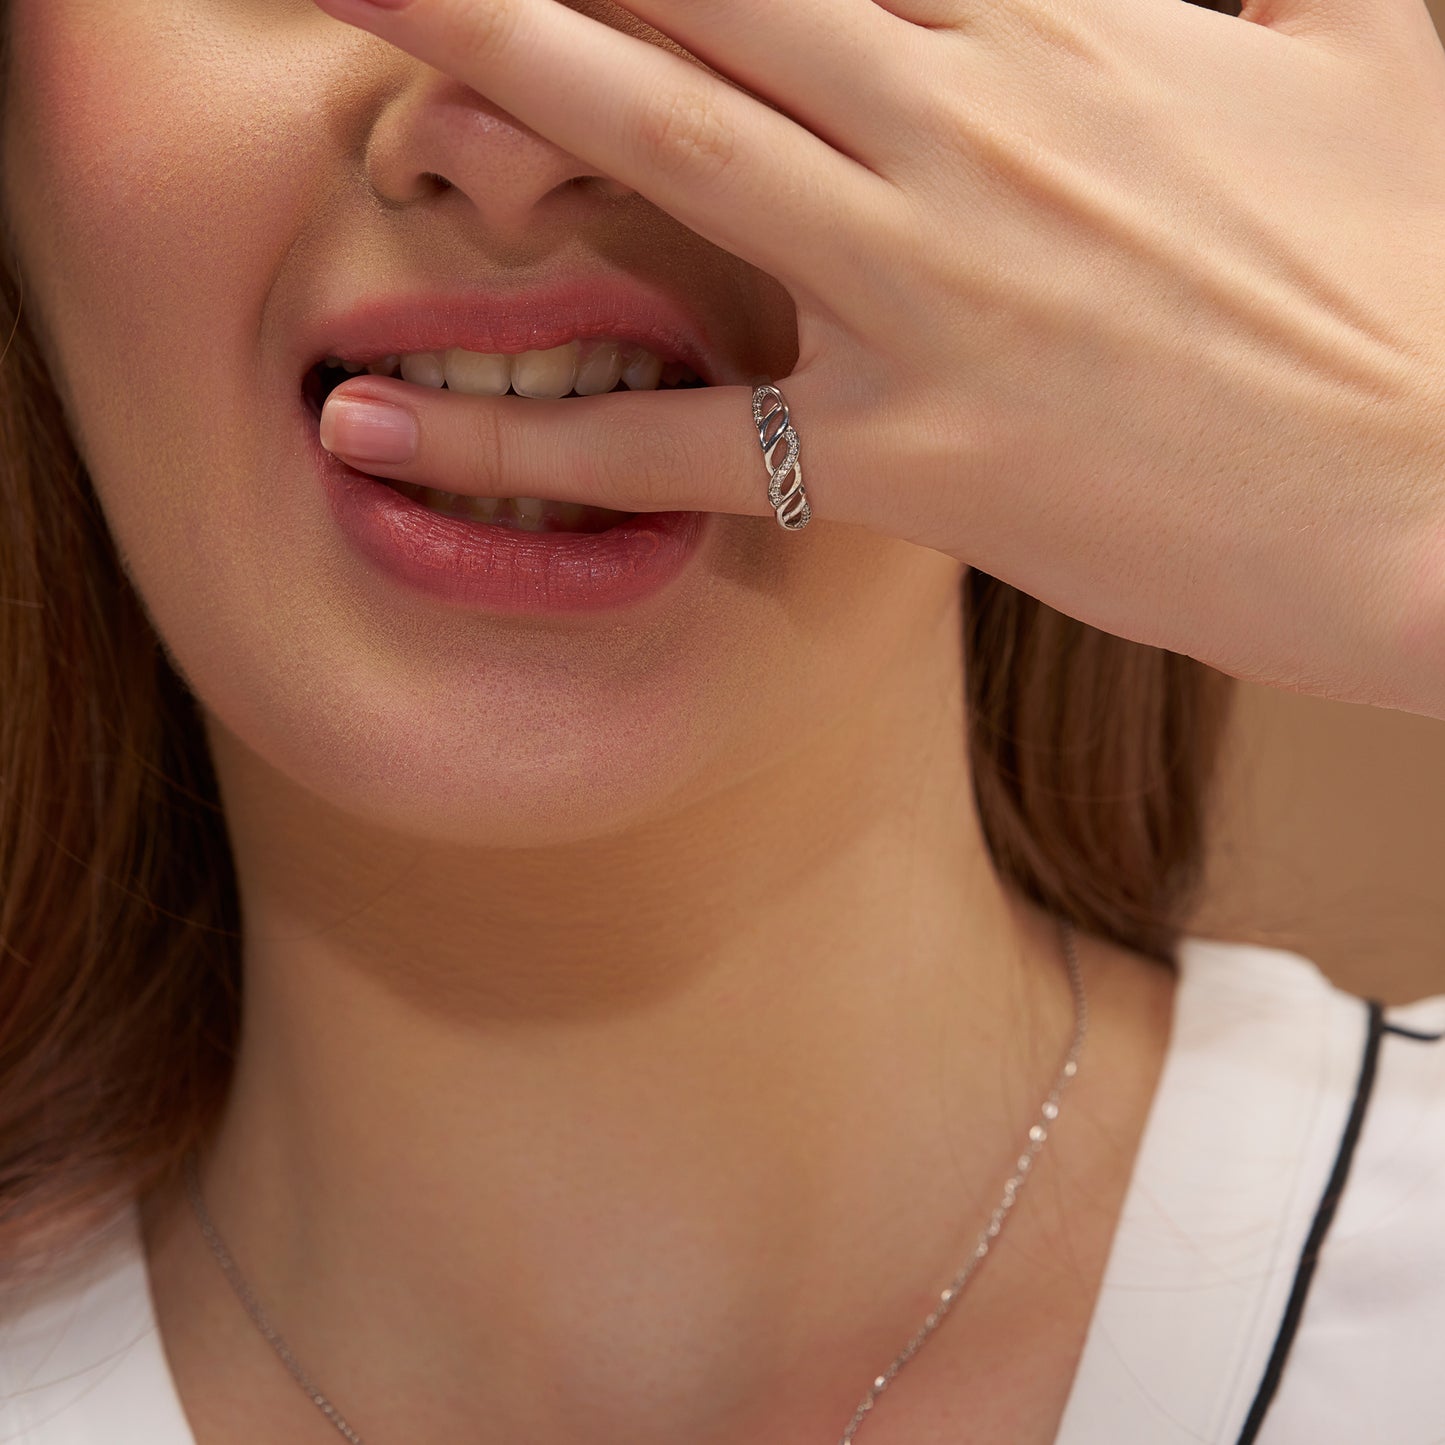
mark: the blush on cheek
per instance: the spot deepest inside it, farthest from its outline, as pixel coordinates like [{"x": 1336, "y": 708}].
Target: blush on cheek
[
  {"x": 155, "y": 185},
  {"x": 151, "y": 144},
  {"x": 84, "y": 133},
  {"x": 162, "y": 157}
]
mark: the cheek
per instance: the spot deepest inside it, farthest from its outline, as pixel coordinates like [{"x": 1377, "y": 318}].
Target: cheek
[
  {"x": 178, "y": 190},
  {"x": 152, "y": 170},
  {"x": 141, "y": 148}
]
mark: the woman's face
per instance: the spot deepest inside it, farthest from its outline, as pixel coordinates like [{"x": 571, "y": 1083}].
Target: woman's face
[{"x": 190, "y": 183}]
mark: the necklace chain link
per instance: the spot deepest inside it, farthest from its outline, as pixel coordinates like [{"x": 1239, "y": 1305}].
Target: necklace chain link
[{"x": 1038, "y": 1134}]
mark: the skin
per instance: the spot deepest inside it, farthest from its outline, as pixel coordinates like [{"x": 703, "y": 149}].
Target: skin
[
  {"x": 1069, "y": 312},
  {"x": 631, "y": 1006}
]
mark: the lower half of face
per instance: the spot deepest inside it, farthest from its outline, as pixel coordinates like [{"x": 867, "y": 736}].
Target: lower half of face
[{"x": 178, "y": 179}]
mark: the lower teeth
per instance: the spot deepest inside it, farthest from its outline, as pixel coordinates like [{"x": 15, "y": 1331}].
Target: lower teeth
[{"x": 503, "y": 512}]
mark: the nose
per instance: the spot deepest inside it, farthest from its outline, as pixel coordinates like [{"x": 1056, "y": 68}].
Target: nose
[{"x": 436, "y": 143}]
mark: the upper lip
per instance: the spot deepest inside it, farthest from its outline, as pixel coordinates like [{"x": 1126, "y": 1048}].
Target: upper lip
[{"x": 496, "y": 320}]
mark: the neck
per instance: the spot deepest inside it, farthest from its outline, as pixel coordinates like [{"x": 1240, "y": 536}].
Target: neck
[{"x": 648, "y": 1123}]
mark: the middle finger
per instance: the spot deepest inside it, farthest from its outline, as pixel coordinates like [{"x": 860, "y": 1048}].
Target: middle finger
[{"x": 729, "y": 167}]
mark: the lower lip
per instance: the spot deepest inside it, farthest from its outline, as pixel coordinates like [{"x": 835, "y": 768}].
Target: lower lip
[{"x": 501, "y": 570}]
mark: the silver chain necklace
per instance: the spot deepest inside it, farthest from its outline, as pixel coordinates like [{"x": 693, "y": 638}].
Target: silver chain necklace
[{"x": 1037, "y": 1135}]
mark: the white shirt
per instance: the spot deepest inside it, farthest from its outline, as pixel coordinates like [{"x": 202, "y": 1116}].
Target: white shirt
[{"x": 1277, "y": 1276}]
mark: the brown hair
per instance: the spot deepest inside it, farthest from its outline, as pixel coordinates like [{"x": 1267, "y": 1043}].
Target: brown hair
[{"x": 119, "y": 926}]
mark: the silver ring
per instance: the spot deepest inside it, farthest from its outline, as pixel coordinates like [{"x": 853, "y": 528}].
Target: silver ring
[{"x": 773, "y": 420}]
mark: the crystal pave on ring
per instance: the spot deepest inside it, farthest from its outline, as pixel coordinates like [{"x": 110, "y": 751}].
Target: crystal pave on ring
[{"x": 775, "y": 428}]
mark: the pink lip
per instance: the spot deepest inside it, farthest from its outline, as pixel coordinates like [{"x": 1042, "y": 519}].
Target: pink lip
[
  {"x": 492, "y": 569},
  {"x": 491, "y": 320}
]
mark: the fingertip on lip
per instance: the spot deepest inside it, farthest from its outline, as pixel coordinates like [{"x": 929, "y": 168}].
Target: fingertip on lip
[{"x": 368, "y": 430}]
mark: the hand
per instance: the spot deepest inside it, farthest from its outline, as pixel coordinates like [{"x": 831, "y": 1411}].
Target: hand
[{"x": 1135, "y": 305}]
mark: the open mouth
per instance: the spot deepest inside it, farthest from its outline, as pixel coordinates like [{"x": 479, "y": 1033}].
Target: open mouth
[
  {"x": 591, "y": 368},
  {"x": 580, "y": 368}
]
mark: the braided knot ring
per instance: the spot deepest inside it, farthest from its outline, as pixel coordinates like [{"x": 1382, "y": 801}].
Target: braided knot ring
[{"x": 773, "y": 420}]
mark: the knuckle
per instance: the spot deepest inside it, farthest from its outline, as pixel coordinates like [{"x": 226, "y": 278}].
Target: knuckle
[
  {"x": 687, "y": 132},
  {"x": 489, "y": 459}
]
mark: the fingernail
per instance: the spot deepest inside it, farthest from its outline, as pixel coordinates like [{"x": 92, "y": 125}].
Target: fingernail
[
  {"x": 368, "y": 431},
  {"x": 361, "y": 8}
]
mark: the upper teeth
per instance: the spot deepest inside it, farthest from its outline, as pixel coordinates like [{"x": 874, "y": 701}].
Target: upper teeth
[{"x": 587, "y": 367}]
